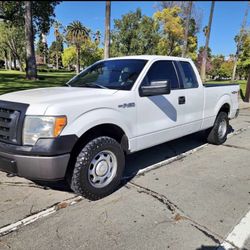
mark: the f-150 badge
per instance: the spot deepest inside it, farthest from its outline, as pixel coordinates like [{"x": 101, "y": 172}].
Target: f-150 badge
[{"x": 127, "y": 105}]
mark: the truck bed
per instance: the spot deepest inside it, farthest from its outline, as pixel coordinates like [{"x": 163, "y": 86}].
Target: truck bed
[{"x": 209, "y": 85}]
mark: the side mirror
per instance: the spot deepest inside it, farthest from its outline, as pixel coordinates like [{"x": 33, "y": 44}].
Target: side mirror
[{"x": 156, "y": 88}]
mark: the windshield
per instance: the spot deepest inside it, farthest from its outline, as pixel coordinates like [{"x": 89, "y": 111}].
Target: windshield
[{"x": 111, "y": 74}]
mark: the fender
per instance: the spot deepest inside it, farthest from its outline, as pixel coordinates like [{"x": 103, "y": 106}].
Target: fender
[
  {"x": 97, "y": 117},
  {"x": 225, "y": 99}
]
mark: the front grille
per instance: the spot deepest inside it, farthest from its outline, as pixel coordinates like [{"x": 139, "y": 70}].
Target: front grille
[
  {"x": 8, "y": 124},
  {"x": 11, "y": 121}
]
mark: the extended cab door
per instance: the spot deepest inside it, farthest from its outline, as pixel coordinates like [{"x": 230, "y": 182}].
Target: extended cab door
[
  {"x": 160, "y": 118},
  {"x": 194, "y": 96}
]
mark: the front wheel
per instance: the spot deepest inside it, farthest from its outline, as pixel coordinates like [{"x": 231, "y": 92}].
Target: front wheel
[
  {"x": 218, "y": 133},
  {"x": 98, "y": 169}
]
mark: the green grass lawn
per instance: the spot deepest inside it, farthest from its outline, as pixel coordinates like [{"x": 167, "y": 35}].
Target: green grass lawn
[{"x": 14, "y": 80}]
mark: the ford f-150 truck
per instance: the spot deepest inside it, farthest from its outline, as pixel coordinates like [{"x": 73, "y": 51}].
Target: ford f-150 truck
[{"x": 82, "y": 132}]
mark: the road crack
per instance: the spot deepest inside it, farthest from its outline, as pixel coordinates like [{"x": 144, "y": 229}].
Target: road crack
[
  {"x": 179, "y": 214},
  {"x": 234, "y": 146}
]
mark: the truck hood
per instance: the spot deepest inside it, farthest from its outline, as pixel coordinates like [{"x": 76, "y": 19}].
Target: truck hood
[
  {"x": 54, "y": 95},
  {"x": 40, "y": 99}
]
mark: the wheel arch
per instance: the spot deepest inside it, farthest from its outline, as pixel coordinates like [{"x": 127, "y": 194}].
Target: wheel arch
[{"x": 106, "y": 129}]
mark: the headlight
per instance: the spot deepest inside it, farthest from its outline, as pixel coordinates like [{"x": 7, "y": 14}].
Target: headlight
[{"x": 36, "y": 127}]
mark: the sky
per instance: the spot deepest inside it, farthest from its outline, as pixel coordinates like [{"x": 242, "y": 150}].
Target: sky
[{"x": 227, "y": 21}]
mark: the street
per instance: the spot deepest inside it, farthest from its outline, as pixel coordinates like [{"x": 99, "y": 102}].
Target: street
[{"x": 184, "y": 194}]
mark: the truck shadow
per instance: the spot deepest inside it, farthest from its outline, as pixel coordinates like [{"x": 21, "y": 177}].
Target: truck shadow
[
  {"x": 154, "y": 155},
  {"x": 141, "y": 160}
]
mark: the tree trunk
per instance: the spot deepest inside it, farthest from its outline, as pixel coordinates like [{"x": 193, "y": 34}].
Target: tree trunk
[
  {"x": 78, "y": 51},
  {"x": 107, "y": 30},
  {"x": 188, "y": 17},
  {"x": 44, "y": 59},
  {"x": 6, "y": 63},
  {"x": 31, "y": 70},
  {"x": 14, "y": 63},
  {"x": 20, "y": 64},
  {"x": 236, "y": 57},
  {"x": 204, "y": 58},
  {"x": 57, "y": 61},
  {"x": 247, "y": 96},
  {"x": 10, "y": 61}
]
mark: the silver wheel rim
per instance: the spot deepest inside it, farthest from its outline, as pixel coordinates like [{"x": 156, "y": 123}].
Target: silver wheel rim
[
  {"x": 222, "y": 130},
  {"x": 102, "y": 169}
]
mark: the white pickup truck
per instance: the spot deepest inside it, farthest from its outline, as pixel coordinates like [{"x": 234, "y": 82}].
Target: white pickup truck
[{"x": 82, "y": 132}]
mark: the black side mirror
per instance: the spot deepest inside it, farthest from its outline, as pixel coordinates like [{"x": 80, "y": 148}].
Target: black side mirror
[{"x": 156, "y": 88}]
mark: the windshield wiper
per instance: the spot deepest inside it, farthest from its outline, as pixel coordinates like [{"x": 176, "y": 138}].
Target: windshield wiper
[{"x": 90, "y": 84}]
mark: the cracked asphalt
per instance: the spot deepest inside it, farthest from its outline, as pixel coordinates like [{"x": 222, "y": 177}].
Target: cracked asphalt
[{"x": 191, "y": 203}]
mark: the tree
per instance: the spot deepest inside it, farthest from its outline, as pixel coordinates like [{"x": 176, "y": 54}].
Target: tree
[
  {"x": 55, "y": 54},
  {"x": 239, "y": 42},
  {"x": 76, "y": 35},
  {"x": 247, "y": 96},
  {"x": 207, "y": 33},
  {"x": 69, "y": 57},
  {"x": 59, "y": 42},
  {"x": 90, "y": 53},
  {"x": 187, "y": 21},
  {"x": 172, "y": 31},
  {"x": 243, "y": 62},
  {"x": 134, "y": 34},
  {"x": 97, "y": 37},
  {"x": 226, "y": 68},
  {"x": 42, "y": 48},
  {"x": 12, "y": 42},
  {"x": 36, "y": 16},
  {"x": 200, "y": 57},
  {"x": 107, "y": 30},
  {"x": 216, "y": 62},
  {"x": 31, "y": 70}
]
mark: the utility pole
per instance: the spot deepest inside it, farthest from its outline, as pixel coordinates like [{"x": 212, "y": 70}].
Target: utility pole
[
  {"x": 188, "y": 17},
  {"x": 239, "y": 43},
  {"x": 204, "y": 57},
  {"x": 107, "y": 30}
]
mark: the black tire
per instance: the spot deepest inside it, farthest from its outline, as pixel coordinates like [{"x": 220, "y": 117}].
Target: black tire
[
  {"x": 214, "y": 136},
  {"x": 80, "y": 181}
]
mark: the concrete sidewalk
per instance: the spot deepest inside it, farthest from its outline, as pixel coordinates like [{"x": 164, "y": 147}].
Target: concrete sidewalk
[{"x": 192, "y": 203}]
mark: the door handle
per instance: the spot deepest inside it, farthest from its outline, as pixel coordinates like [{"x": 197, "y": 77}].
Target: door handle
[{"x": 182, "y": 100}]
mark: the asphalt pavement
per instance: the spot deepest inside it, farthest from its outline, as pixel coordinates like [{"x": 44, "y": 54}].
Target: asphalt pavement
[{"x": 184, "y": 194}]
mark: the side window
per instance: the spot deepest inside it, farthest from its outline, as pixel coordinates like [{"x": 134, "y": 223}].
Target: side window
[
  {"x": 189, "y": 77},
  {"x": 160, "y": 71}
]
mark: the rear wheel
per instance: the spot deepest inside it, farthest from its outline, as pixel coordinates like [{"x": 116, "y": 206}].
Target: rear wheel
[
  {"x": 218, "y": 133},
  {"x": 98, "y": 169}
]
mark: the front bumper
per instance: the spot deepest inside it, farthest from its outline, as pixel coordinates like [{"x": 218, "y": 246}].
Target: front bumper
[
  {"x": 35, "y": 167},
  {"x": 46, "y": 160}
]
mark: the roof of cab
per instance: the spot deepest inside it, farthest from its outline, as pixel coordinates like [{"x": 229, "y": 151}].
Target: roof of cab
[{"x": 151, "y": 57}]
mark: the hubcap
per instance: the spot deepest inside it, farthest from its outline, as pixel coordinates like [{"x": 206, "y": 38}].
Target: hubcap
[
  {"x": 222, "y": 130},
  {"x": 102, "y": 169}
]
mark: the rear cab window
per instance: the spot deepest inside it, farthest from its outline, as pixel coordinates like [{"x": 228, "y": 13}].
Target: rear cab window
[{"x": 189, "y": 79}]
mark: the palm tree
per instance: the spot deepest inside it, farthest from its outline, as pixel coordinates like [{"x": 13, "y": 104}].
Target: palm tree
[
  {"x": 107, "y": 30},
  {"x": 207, "y": 33},
  {"x": 97, "y": 37},
  {"x": 77, "y": 34},
  {"x": 31, "y": 70},
  {"x": 58, "y": 36}
]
